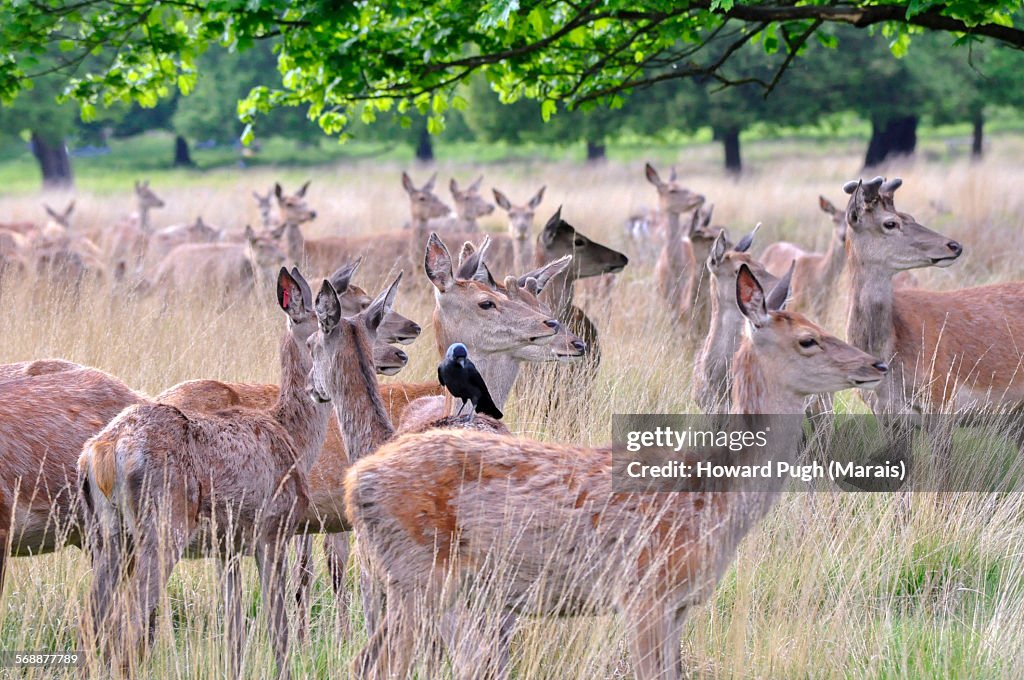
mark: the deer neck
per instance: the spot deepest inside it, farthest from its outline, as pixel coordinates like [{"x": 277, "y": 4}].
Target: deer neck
[
  {"x": 362, "y": 418},
  {"x": 143, "y": 217},
  {"x": 754, "y": 392},
  {"x": 674, "y": 243},
  {"x": 724, "y": 332},
  {"x": 522, "y": 253},
  {"x": 834, "y": 260},
  {"x": 295, "y": 240},
  {"x": 305, "y": 420},
  {"x": 869, "y": 325}
]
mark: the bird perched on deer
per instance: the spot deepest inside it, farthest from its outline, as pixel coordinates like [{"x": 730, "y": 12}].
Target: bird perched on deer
[{"x": 457, "y": 373}]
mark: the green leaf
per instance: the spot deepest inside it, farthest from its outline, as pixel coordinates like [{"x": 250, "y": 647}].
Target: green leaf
[{"x": 548, "y": 107}]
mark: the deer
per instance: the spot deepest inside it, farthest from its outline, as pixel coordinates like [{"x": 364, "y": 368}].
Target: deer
[
  {"x": 163, "y": 241},
  {"x": 325, "y": 478},
  {"x": 181, "y": 483},
  {"x": 48, "y": 410},
  {"x": 233, "y": 267},
  {"x": 469, "y": 206},
  {"x": 291, "y": 213},
  {"x": 713, "y": 364},
  {"x": 520, "y": 226},
  {"x": 387, "y": 252},
  {"x": 590, "y": 258},
  {"x": 676, "y": 267},
  {"x": 126, "y": 243},
  {"x": 265, "y": 205},
  {"x": 952, "y": 352},
  {"x": 540, "y": 530}
]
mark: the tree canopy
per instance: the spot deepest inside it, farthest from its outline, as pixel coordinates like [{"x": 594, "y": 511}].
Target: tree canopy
[{"x": 345, "y": 59}]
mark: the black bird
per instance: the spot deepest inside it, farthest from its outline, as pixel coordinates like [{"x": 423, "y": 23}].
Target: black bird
[{"x": 458, "y": 374}]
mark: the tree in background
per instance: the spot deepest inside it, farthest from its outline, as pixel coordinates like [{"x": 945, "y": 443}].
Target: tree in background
[{"x": 46, "y": 125}]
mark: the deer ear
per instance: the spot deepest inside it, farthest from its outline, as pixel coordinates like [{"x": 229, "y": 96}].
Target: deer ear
[
  {"x": 429, "y": 186},
  {"x": 301, "y": 193},
  {"x": 544, "y": 274},
  {"x": 407, "y": 183},
  {"x": 475, "y": 186},
  {"x": 250, "y": 235},
  {"x": 550, "y": 230},
  {"x": 437, "y": 262},
  {"x": 341, "y": 279},
  {"x": 453, "y": 186},
  {"x": 718, "y": 249},
  {"x": 328, "y": 308},
  {"x": 779, "y": 294},
  {"x": 652, "y": 175},
  {"x": 381, "y": 306},
  {"x": 750, "y": 297},
  {"x": 51, "y": 212},
  {"x": 467, "y": 251},
  {"x": 747, "y": 241},
  {"x": 705, "y": 214},
  {"x": 502, "y": 200},
  {"x": 307, "y": 294},
  {"x": 278, "y": 191},
  {"x": 289, "y": 296},
  {"x": 826, "y": 205},
  {"x": 538, "y": 197}
]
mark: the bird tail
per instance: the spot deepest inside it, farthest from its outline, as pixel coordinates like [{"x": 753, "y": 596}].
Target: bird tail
[{"x": 487, "y": 406}]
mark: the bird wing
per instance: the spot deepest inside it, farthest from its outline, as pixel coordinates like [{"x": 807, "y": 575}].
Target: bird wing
[
  {"x": 440, "y": 377},
  {"x": 485, "y": 404}
]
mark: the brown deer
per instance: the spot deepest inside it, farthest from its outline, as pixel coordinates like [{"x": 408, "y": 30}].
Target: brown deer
[
  {"x": 292, "y": 212},
  {"x": 163, "y": 241},
  {"x": 520, "y": 228},
  {"x": 328, "y": 473},
  {"x": 557, "y": 239},
  {"x": 953, "y": 351},
  {"x": 183, "y": 483},
  {"x": 521, "y": 527},
  {"x": 676, "y": 268},
  {"x": 48, "y": 409},
  {"x": 385, "y": 253},
  {"x": 126, "y": 243},
  {"x": 265, "y": 204},
  {"x": 469, "y": 206},
  {"x": 713, "y": 365},
  {"x": 234, "y": 267}
]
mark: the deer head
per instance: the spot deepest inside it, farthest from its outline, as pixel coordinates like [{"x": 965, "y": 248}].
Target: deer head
[
  {"x": 589, "y": 258},
  {"x": 672, "y": 196},
  {"x": 520, "y": 217},
  {"x": 794, "y": 353},
  {"x": 265, "y": 251},
  {"x": 292, "y": 209},
  {"x": 879, "y": 236},
  {"x": 469, "y": 204},
  {"x": 296, "y": 300},
  {"x": 423, "y": 202},
  {"x": 472, "y": 311},
  {"x": 146, "y": 198},
  {"x": 266, "y": 206},
  {"x": 838, "y": 217},
  {"x": 61, "y": 217}
]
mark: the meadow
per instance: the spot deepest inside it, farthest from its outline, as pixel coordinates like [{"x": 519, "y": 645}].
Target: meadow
[{"x": 831, "y": 585}]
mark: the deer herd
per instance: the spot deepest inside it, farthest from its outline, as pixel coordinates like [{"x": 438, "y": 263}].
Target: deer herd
[{"x": 441, "y": 505}]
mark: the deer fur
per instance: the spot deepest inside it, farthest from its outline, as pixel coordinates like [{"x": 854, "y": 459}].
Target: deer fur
[
  {"x": 951, "y": 351},
  {"x": 175, "y": 483},
  {"x": 520, "y": 228},
  {"x": 163, "y": 241},
  {"x": 713, "y": 366},
  {"x": 234, "y": 267},
  {"x": 539, "y": 530},
  {"x": 48, "y": 409},
  {"x": 127, "y": 242}
]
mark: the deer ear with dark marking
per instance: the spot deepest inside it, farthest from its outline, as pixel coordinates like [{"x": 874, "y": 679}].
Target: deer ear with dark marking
[
  {"x": 550, "y": 230},
  {"x": 407, "y": 183},
  {"x": 750, "y": 297},
  {"x": 718, "y": 249},
  {"x": 779, "y": 294},
  {"x": 826, "y": 205},
  {"x": 301, "y": 193},
  {"x": 381, "y": 306},
  {"x": 342, "y": 278},
  {"x": 502, "y": 200},
  {"x": 290, "y": 297},
  {"x": 652, "y": 176},
  {"x": 537, "y": 198},
  {"x": 747, "y": 241},
  {"x": 328, "y": 308}
]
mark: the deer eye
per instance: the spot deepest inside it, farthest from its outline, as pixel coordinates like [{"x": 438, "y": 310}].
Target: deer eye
[
  {"x": 890, "y": 225},
  {"x": 486, "y": 304},
  {"x": 579, "y": 243},
  {"x": 807, "y": 343}
]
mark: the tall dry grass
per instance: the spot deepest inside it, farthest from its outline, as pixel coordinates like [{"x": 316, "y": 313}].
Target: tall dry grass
[{"x": 834, "y": 585}]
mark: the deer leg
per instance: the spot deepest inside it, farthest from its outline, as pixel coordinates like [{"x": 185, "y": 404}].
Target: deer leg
[
  {"x": 337, "y": 548},
  {"x": 651, "y": 630},
  {"x": 104, "y": 540},
  {"x": 304, "y": 566},
  {"x": 270, "y": 560},
  {"x": 388, "y": 652},
  {"x": 371, "y": 593},
  {"x": 478, "y": 645},
  {"x": 234, "y": 617}
]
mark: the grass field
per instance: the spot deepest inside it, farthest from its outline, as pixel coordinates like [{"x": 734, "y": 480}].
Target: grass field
[{"x": 830, "y": 585}]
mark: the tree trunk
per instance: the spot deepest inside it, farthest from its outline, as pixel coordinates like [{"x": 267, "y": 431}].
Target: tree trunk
[
  {"x": 897, "y": 137},
  {"x": 424, "y": 147},
  {"x": 731, "y": 141},
  {"x": 182, "y": 157},
  {"x": 596, "y": 151},
  {"x": 978, "y": 138},
  {"x": 54, "y": 162}
]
